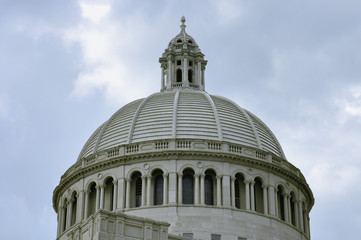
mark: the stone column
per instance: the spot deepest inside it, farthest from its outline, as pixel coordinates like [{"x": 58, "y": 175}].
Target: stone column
[
  {"x": 265, "y": 200},
  {"x": 86, "y": 211},
  {"x": 271, "y": 200},
  {"x": 149, "y": 188},
  {"x": 172, "y": 198},
  {"x": 248, "y": 207},
  {"x": 295, "y": 206},
  {"x": 170, "y": 77},
  {"x": 120, "y": 197},
  {"x": 285, "y": 203},
  {"x": 233, "y": 192},
  {"x": 196, "y": 188},
  {"x": 202, "y": 189},
  {"x": 300, "y": 210},
  {"x": 68, "y": 214},
  {"x": 289, "y": 208},
  {"x": 165, "y": 188},
  {"x": 60, "y": 220},
  {"x": 276, "y": 203},
  {"x": 162, "y": 74},
  {"x": 97, "y": 201},
  {"x": 199, "y": 73},
  {"x": 226, "y": 191},
  {"x": 180, "y": 188},
  {"x": 79, "y": 206},
  {"x": 144, "y": 193},
  {"x": 127, "y": 196},
  {"x": 185, "y": 71},
  {"x": 219, "y": 195},
  {"x": 115, "y": 191},
  {"x": 102, "y": 196},
  {"x": 252, "y": 195}
]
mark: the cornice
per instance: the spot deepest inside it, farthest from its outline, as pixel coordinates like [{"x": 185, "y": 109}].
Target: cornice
[{"x": 80, "y": 170}]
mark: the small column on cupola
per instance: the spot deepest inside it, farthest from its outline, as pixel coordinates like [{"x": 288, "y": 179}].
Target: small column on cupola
[{"x": 182, "y": 63}]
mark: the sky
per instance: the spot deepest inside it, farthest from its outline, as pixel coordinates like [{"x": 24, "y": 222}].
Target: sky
[{"x": 67, "y": 66}]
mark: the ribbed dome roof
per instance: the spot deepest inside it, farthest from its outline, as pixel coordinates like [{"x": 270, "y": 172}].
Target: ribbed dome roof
[{"x": 182, "y": 115}]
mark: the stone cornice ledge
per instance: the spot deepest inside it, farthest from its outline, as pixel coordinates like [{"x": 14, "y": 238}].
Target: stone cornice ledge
[{"x": 80, "y": 169}]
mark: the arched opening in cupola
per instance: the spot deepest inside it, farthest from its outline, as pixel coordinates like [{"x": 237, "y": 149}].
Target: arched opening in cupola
[
  {"x": 293, "y": 208},
  {"x": 188, "y": 186},
  {"x": 136, "y": 189},
  {"x": 109, "y": 194},
  {"x": 179, "y": 75},
  {"x": 281, "y": 203},
  {"x": 209, "y": 187},
  {"x": 73, "y": 208},
  {"x": 158, "y": 187},
  {"x": 258, "y": 195},
  {"x": 65, "y": 214},
  {"x": 190, "y": 75},
  {"x": 92, "y": 199},
  {"x": 240, "y": 192}
]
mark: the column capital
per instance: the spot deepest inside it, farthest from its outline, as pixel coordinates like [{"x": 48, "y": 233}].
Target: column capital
[
  {"x": 233, "y": 179},
  {"x": 115, "y": 182},
  {"x": 87, "y": 191},
  {"x": 149, "y": 177},
  {"x": 180, "y": 175},
  {"x": 129, "y": 180},
  {"x": 202, "y": 175},
  {"x": 219, "y": 177},
  {"x": 143, "y": 177},
  {"x": 165, "y": 175},
  {"x": 196, "y": 175}
]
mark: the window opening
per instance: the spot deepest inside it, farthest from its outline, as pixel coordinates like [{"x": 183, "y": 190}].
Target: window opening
[
  {"x": 188, "y": 189},
  {"x": 179, "y": 75},
  {"x": 190, "y": 76},
  {"x": 179, "y": 62},
  {"x": 158, "y": 189},
  {"x": 208, "y": 188},
  {"x": 191, "y": 63},
  {"x": 138, "y": 192}
]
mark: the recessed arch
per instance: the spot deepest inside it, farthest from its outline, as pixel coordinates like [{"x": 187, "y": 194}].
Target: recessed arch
[
  {"x": 188, "y": 186},
  {"x": 258, "y": 195},
  {"x": 136, "y": 186},
  {"x": 210, "y": 186},
  {"x": 240, "y": 191},
  {"x": 179, "y": 75},
  {"x": 280, "y": 202},
  {"x": 158, "y": 186},
  {"x": 109, "y": 193},
  {"x": 74, "y": 202},
  {"x": 134, "y": 170}
]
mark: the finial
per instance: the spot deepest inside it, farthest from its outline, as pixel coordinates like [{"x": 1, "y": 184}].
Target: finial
[{"x": 183, "y": 20}]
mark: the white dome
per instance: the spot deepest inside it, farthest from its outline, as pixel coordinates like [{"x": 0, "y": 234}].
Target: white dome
[{"x": 182, "y": 115}]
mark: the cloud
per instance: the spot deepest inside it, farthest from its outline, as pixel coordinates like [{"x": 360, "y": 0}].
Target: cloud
[
  {"x": 95, "y": 12},
  {"x": 108, "y": 47},
  {"x": 350, "y": 103}
]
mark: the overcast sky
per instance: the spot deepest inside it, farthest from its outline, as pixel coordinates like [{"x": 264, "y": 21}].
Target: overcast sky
[{"x": 66, "y": 66}]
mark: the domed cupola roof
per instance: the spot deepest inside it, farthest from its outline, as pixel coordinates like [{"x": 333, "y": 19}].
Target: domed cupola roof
[
  {"x": 183, "y": 110},
  {"x": 183, "y": 40}
]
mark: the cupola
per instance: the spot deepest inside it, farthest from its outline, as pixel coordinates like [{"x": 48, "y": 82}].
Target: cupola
[{"x": 182, "y": 63}]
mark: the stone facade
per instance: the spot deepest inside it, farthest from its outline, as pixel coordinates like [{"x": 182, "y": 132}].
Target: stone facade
[{"x": 193, "y": 164}]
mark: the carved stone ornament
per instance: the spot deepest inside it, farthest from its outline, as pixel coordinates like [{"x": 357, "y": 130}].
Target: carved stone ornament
[
  {"x": 146, "y": 166},
  {"x": 250, "y": 171},
  {"x": 200, "y": 165},
  {"x": 100, "y": 176}
]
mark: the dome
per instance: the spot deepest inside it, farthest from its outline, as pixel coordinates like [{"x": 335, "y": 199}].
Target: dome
[
  {"x": 182, "y": 164},
  {"x": 182, "y": 115}
]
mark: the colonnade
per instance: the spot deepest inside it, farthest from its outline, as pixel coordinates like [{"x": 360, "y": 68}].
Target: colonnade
[{"x": 121, "y": 193}]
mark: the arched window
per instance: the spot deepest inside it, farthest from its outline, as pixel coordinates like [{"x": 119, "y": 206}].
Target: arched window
[
  {"x": 258, "y": 195},
  {"x": 190, "y": 75},
  {"x": 179, "y": 75},
  {"x": 293, "y": 215},
  {"x": 158, "y": 187},
  {"x": 209, "y": 187},
  {"x": 136, "y": 190},
  {"x": 73, "y": 209},
  {"x": 109, "y": 194},
  {"x": 240, "y": 192},
  {"x": 92, "y": 199},
  {"x": 280, "y": 203},
  {"x": 188, "y": 187}
]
